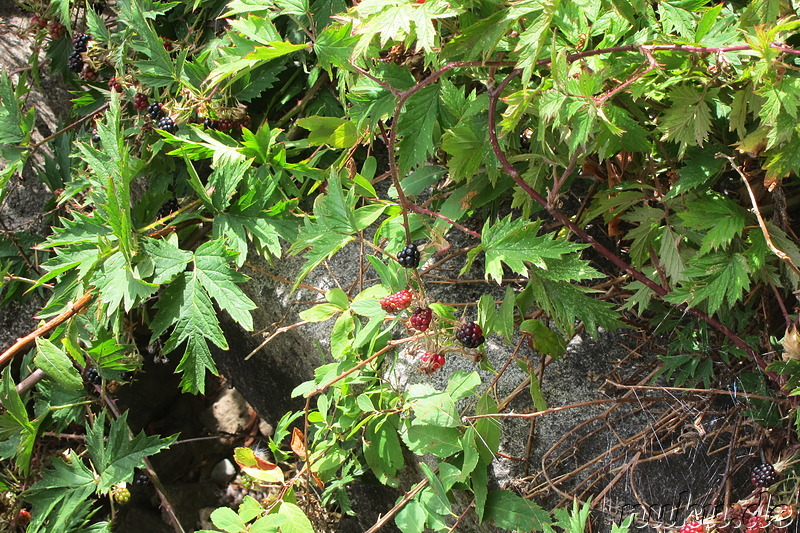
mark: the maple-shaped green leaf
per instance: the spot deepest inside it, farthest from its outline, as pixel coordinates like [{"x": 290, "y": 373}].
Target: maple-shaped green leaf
[
  {"x": 515, "y": 243},
  {"x": 688, "y": 121},
  {"x": 236, "y": 228},
  {"x": 118, "y": 284},
  {"x": 716, "y": 278},
  {"x": 115, "y": 454},
  {"x": 723, "y": 219},
  {"x": 167, "y": 258},
  {"x": 186, "y": 304},
  {"x": 212, "y": 269},
  {"x": 415, "y": 128},
  {"x": 701, "y": 169},
  {"x": 334, "y": 46},
  {"x": 228, "y": 173},
  {"x": 565, "y": 302},
  {"x": 61, "y": 498},
  {"x": 398, "y": 20}
]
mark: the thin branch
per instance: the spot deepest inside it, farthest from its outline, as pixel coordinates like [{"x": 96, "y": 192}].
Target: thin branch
[
  {"x": 69, "y": 127},
  {"x": 382, "y": 521},
  {"x": 73, "y": 309}
]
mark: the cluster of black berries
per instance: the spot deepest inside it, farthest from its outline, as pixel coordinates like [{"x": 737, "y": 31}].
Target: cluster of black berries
[
  {"x": 75, "y": 59},
  {"x": 93, "y": 376},
  {"x": 470, "y": 335},
  {"x": 764, "y": 475},
  {"x": 155, "y": 111},
  {"x": 409, "y": 256},
  {"x": 169, "y": 207},
  {"x": 80, "y": 41},
  {"x": 167, "y": 124}
]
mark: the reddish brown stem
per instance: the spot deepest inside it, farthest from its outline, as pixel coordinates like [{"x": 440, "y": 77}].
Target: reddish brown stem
[{"x": 75, "y": 308}]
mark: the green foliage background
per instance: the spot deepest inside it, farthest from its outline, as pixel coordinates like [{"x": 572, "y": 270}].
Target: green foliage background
[{"x": 673, "y": 124}]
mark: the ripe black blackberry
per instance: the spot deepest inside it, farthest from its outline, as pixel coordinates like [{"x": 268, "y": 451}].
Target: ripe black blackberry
[
  {"x": 764, "y": 475},
  {"x": 75, "y": 61},
  {"x": 209, "y": 123},
  {"x": 93, "y": 376},
  {"x": 140, "y": 101},
  {"x": 80, "y": 41},
  {"x": 167, "y": 124},
  {"x": 470, "y": 335},
  {"x": 126, "y": 376},
  {"x": 141, "y": 479},
  {"x": 169, "y": 207},
  {"x": 95, "y": 136},
  {"x": 155, "y": 110},
  {"x": 409, "y": 256}
]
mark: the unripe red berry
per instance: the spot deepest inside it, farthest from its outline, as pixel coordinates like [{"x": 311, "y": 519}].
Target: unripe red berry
[
  {"x": 693, "y": 526},
  {"x": 431, "y": 362},
  {"x": 397, "y": 301}
]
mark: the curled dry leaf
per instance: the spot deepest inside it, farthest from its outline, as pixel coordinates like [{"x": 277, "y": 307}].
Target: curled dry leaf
[{"x": 791, "y": 343}]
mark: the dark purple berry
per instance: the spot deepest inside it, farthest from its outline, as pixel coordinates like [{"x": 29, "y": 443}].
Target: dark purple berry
[
  {"x": 470, "y": 335},
  {"x": 764, "y": 475},
  {"x": 409, "y": 256},
  {"x": 140, "y": 101},
  {"x": 421, "y": 318}
]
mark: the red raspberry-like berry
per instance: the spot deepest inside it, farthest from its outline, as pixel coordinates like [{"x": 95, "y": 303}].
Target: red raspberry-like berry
[
  {"x": 24, "y": 516},
  {"x": 764, "y": 475},
  {"x": 470, "y": 335},
  {"x": 756, "y": 524},
  {"x": 421, "y": 318},
  {"x": 397, "y": 301},
  {"x": 140, "y": 101},
  {"x": 431, "y": 362},
  {"x": 693, "y": 526}
]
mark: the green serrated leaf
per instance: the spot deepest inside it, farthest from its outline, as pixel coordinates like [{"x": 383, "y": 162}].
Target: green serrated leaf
[
  {"x": 514, "y": 242},
  {"x": 116, "y": 454},
  {"x": 509, "y": 511},
  {"x": 57, "y": 365}
]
